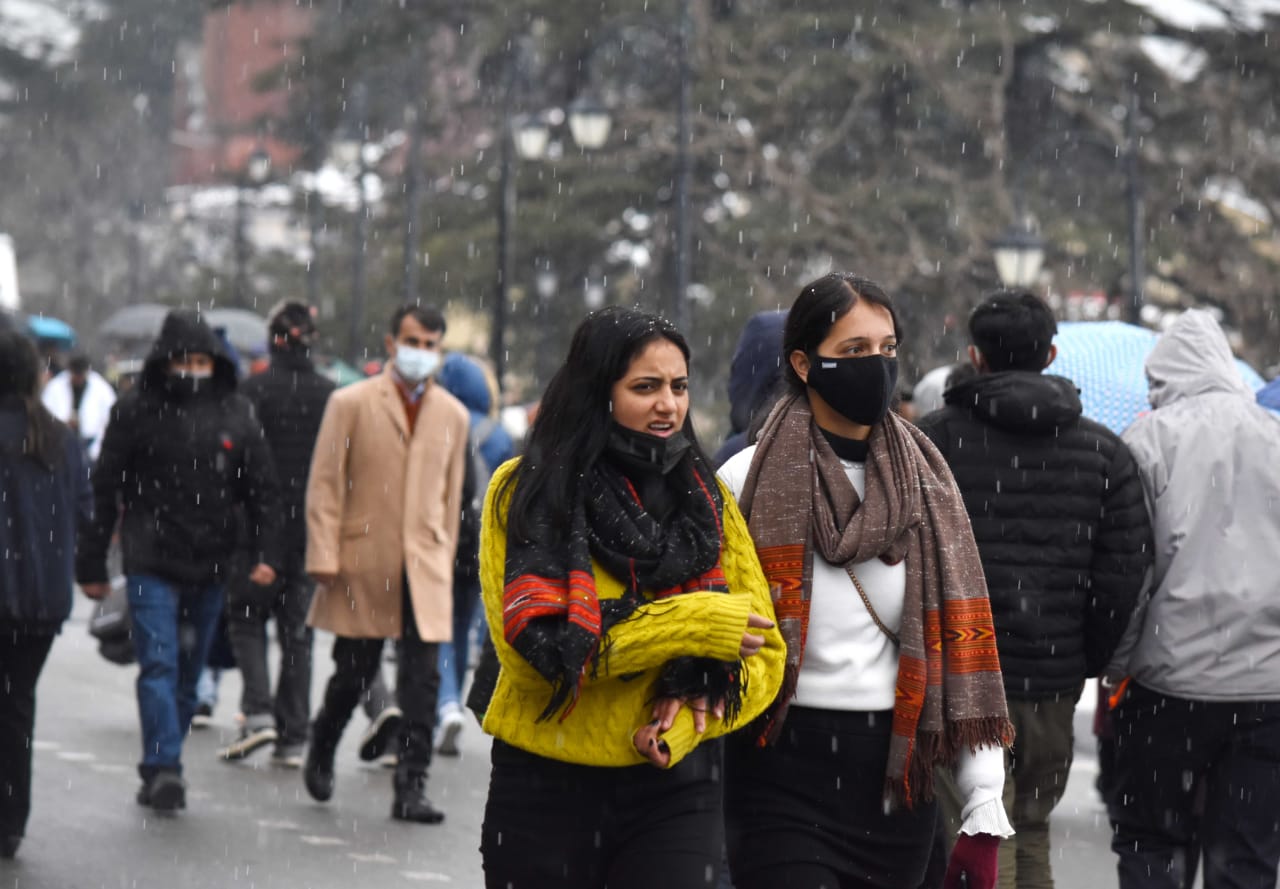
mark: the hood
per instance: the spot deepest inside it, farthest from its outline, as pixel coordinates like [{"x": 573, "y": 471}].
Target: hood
[
  {"x": 1018, "y": 400},
  {"x": 464, "y": 379},
  {"x": 756, "y": 366},
  {"x": 184, "y": 331},
  {"x": 1192, "y": 358}
]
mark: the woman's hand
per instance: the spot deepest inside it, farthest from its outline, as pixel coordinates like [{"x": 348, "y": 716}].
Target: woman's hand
[
  {"x": 751, "y": 643},
  {"x": 650, "y": 745},
  {"x": 648, "y": 738},
  {"x": 665, "y": 710}
]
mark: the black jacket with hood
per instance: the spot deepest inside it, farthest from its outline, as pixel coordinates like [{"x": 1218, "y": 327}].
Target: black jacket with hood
[
  {"x": 1058, "y": 513},
  {"x": 289, "y": 398},
  {"x": 180, "y": 463}
]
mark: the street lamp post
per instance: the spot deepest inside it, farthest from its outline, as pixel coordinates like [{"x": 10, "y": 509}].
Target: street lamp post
[
  {"x": 683, "y": 33},
  {"x": 1133, "y": 190},
  {"x": 136, "y": 210},
  {"x": 412, "y": 188},
  {"x": 256, "y": 170},
  {"x": 358, "y": 275},
  {"x": 526, "y": 137},
  {"x": 545, "y": 284},
  {"x": 355, "y": 330},
  {"x": 680, "y": 314}
]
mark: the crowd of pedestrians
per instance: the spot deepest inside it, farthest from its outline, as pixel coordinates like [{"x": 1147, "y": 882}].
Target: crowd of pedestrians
[{"x": 845, "y": 652}]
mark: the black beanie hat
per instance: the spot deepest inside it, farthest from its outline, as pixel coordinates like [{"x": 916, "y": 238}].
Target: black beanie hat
[{"x": 291, "y": 320}]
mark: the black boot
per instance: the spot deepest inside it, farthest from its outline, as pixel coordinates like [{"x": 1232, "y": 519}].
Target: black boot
[
  {"x": 9, "y": 846},
  {"x": 411, "y": 803},
  {"x": 317, "y": 772},
  {"x": 164, "y": 790}
]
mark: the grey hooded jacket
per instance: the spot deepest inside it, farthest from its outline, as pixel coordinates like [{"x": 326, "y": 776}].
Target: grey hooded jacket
[{"x": 1207, "y": 458}]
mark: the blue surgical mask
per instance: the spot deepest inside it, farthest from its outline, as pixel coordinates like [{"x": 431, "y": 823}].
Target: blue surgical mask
[{"x": 414, "y": 364}]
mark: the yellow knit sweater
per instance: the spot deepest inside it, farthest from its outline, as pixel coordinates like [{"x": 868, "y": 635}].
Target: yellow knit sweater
[{"x": 599, "y": 729}]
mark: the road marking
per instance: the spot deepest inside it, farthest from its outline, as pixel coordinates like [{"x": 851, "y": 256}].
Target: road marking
[
  {"x": 371, "y": 858},
  {"x": 76, "y": 756},
  {"x": 322, "y": 841},
  {"x": 45, "y": 745},
  {"x": 279, "y": 825},
  {"x": 110, "y": 768},
  {"x": 426, "y": 876}
]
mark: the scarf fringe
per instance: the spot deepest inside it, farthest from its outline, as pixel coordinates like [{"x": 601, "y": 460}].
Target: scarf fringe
[
  {"x": 690, "y": 678},
  {"x": 566, "y": 687}
]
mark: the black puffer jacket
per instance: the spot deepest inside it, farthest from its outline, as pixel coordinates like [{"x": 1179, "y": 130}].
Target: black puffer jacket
[
  {"x": 179, "y": 464},
  {"x": 289, "y": 398},
  {"x": 1058, "y": 513}
]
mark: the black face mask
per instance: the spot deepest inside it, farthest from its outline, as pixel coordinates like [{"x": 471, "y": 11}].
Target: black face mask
[
  {"x": 859, "y": 389},
  {"x": 646, "y": 453},
  {"x": 183, "y": 387}
]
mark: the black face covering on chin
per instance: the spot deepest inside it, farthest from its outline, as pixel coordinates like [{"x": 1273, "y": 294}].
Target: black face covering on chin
[
  {"x": 859, "y": 389},
  {"x": 645, "y": 452},
  {"x": 184, "y": 387}
]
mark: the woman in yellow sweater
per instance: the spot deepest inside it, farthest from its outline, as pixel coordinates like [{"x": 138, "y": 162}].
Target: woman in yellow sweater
[{"x": 632, "y": 621}]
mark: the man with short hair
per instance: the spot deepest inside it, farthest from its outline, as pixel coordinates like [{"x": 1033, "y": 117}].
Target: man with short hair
[
  {"x": 289, "y": 398},
  {"x": 81, "y": 398},
  {"x": 1057, "y": 511},
  {"x": 183, "y": 458},
  {"x": 384, "y": 501}
]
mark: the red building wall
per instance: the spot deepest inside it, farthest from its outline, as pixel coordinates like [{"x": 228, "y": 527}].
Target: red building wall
[{"x": 221, "y": 114}]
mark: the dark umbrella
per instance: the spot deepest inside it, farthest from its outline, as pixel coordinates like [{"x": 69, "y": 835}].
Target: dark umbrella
[
  {"x": 140, "y": 325},
  {"x": 135, "y": 324}
]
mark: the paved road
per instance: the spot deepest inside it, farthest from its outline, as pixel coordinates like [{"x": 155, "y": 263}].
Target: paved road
[{"x": 251, "y": 826}]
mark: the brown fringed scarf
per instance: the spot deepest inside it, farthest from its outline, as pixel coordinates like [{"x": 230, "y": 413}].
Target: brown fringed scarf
[{"x": 949, "y": 691}]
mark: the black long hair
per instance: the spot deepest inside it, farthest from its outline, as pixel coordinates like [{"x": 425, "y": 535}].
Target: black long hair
[
  {"x": 819, "y": 306},
  {"x": 20, "y": 381},
  {"x": 571, "y": 430}
]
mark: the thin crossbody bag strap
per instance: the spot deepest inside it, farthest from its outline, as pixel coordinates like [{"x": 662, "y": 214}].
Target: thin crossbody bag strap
[{"x": 866, "y": 600}]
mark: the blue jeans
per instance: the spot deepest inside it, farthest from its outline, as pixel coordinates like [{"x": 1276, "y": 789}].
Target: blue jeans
[
  {"x": 453, "y": 655},
  {"x": 173, "y": 627}
]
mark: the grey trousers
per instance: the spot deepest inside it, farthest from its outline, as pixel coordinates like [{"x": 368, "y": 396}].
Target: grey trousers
[{"x": 249, "y": 608}]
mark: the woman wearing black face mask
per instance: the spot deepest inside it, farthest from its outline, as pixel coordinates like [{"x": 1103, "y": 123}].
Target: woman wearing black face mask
[
  {"x": 892, "y": 668},
  {"x": 632, "y": 621}
]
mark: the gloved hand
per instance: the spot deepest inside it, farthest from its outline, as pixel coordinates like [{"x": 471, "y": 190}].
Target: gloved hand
[{"x": 974, "y": 855}]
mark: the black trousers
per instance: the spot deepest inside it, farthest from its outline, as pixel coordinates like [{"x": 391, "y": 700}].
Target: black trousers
[
  {"x": 249, "y": 608},
  {"x": 1170, "y": 750},
  {"x": 808, "y": 812},
  {"x": 22, "y": 657},
  {"x": 556, "y": 825},
  {"x": 356, "y": 662}
]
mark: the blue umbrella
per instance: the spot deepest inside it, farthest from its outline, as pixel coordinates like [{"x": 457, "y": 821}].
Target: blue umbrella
[
  {"x": 1105, "y": 360},
  {"x": 43, "y": 327},
  {"x": 1269, "y": 395}
]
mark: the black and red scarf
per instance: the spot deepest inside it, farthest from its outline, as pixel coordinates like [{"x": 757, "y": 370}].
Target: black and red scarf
[{"x": 551, "y": 613}]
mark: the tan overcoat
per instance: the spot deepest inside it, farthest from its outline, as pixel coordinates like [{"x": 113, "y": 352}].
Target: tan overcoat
[{"x": 382, "y": 504}]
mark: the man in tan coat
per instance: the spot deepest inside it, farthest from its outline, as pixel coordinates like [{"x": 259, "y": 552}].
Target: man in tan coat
[{"x": 383, "y": 506}]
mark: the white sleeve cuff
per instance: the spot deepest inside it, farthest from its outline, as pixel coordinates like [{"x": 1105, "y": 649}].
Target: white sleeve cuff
[
  {"x": 988, "y": 818},
  {"x": 979, "y": 776}
]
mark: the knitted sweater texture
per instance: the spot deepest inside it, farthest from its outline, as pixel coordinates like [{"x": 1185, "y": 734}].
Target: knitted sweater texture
[{"x": 616, "y": 702}]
